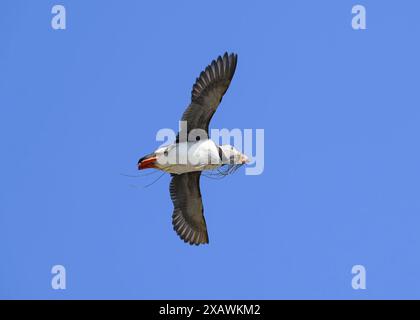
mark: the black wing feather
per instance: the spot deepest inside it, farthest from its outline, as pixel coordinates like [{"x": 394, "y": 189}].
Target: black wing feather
[
  {"x": 188, "y": 218},
  {"x": 208, "y": 91}
]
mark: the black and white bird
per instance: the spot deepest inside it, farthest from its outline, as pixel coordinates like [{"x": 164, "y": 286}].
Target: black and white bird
[{"x": 191, "y": 154}]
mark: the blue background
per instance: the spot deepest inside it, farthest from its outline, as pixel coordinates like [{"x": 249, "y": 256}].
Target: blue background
[{"x": 340, "y": 109}]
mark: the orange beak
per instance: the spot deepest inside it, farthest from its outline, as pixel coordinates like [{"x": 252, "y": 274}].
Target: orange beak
[{"x": 147, "y": 163}]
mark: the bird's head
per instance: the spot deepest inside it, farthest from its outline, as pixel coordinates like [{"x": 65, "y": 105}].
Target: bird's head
[
  {"x": 157, "y": 159},
  {"x": 231, "y": 155}
]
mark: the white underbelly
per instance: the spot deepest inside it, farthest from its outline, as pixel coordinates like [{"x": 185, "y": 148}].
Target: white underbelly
[
  {"x": 180, "y": 168},
  {"x": 189, "y": 157}
]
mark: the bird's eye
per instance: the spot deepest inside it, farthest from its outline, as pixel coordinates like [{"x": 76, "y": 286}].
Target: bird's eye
[
  {"x": 197, "y": 138},
  {"x": 165, "y": 153},
  {"x": 231, "y": 148}
]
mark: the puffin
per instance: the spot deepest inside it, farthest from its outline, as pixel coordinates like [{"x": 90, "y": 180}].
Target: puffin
[{"x": 193, "y": 152}]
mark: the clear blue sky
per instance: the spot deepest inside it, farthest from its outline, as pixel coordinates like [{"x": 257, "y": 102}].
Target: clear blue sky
[{"x": 341, "y": 185}]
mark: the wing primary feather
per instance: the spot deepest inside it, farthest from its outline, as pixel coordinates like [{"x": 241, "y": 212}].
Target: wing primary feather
[
  {"x": 208, "y": 91},
  {"x": 187, "y": 219}
]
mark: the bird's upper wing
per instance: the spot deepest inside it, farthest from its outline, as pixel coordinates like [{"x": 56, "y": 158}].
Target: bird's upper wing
[
  {"x": 207, "y": 93},
  {"x": 188, "y": 219}
]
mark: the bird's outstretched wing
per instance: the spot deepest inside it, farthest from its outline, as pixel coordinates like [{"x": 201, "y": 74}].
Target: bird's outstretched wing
[
  {"x": 207, "y": 93},
  {"x": 188, "y": 219}
]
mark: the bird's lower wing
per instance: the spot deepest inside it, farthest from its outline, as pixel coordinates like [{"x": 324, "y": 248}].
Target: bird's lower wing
[{"x": 188, "y": 218}]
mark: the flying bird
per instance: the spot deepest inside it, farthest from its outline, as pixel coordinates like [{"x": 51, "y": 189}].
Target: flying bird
[{"x": 193, "y": 152}]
